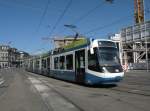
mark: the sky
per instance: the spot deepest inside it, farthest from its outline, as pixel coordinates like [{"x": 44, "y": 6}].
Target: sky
[{"x": 24, "y": 23}]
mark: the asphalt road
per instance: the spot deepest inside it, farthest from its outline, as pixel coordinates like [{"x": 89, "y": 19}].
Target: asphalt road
[
  {"x": 17, "y": 93},
  {"x": 25, "y": 91}
]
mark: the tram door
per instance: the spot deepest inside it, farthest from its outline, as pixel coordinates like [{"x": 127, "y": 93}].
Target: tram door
[
  {"x": 48, "y": 65},
  {"x": 80, "y": 66}
]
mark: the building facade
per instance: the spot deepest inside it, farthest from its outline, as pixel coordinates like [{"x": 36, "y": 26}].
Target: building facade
[
  {"x": 61, "y": 42},
  {"x": 11, "y": 57},
  {"x": 21, "y": 57},
  {"x": 4, "y": 56}
]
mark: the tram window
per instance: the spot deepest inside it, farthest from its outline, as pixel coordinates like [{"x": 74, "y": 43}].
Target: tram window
[
  {"x": 31, "y": 63},
  {"x": 37, "y": 64},
  {"x": 48, "y": 62},
  {"x": 43, "y": 63},
  {"x": 82, "y": 65},
  {"x": 69, "y": 62},
  {"x": 56, "y": 63},
  {"x": 62, "y": 62},
  {"x": 93, "y": 61}
]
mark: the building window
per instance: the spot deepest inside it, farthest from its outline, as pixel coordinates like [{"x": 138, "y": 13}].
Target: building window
[
  {"x": 56, "y": 63},
  {"x": 62, "y": 62},
  {"x": 69, "y": 62}
]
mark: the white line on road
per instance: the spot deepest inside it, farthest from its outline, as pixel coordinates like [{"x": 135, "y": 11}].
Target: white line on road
[{"x": 1, "y": 81}]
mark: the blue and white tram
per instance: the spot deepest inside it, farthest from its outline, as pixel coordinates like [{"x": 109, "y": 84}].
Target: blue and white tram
[
  {"x": 94, "y": 62},
  {"x": 103, "y": 65}
]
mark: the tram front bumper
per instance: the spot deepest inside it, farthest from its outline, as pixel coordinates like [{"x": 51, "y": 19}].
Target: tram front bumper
[{"x": 93, "y": 80}]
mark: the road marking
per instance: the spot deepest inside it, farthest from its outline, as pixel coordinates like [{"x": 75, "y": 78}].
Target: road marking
[
  {"x": 52, "y": 98},
  {"x": 1, "y": 81},
  {"x": 135, "y": 90}
]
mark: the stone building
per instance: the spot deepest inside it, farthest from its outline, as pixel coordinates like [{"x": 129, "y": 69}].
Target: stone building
[
  {"x": 4, "y": 56},
  {"x": 11, "y": 57},
  {"x": 60, "y": 42},
  {"x": 21, "y": 56}
]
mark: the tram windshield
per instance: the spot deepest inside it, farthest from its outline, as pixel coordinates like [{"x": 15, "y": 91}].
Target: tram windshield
[
  {"x": 108, "y": 56},
  {"x": 104, "y": 59}
]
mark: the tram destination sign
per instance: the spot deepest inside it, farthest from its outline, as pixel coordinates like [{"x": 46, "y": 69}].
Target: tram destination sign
[{"x": 106, "y": 44}]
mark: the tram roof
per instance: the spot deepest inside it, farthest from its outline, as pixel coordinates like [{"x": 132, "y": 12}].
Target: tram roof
[
  {"x": 45, "y": 54},
  {"x": 41, "y": 55},
  {"x": 76, "y": 44}
]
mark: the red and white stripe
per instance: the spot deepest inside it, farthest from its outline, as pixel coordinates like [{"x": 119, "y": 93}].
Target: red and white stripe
[{"x": 125, "y": 67}]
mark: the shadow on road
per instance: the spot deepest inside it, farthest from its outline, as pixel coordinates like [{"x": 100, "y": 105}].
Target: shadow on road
[{"x": 102, "y": 86}]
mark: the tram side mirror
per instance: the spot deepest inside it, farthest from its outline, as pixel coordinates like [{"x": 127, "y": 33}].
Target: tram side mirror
[
  {"x": 91, "y": 50},
  {"x": 91, "y": 46}
]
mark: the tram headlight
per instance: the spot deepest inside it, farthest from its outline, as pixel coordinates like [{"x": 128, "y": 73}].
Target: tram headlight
[{"x": 117, "y": 70}]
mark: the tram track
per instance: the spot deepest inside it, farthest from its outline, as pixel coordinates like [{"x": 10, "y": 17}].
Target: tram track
[
  {"x": 125, "y": 89},
  {"x": 66, "y": 98},
  {"x": 137, "y": 83},
  {"x": 131, "y": 90},
  {"x": 117, "y": 93},
  {"x": 50, "y": 86},
  {"x": 95, "y": 95}
]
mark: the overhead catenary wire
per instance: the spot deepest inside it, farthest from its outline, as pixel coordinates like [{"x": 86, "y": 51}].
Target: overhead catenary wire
[
  {"x": 60, "y": 17},
  {"x": 19, "y": 4},
  {"x": 111, "y": 24},
  {"x": 107, "y": 25},
  {"x": 91, "y": 11},
  {"x": 87, "y": 13},
  {"x": 43, "y": 14}
]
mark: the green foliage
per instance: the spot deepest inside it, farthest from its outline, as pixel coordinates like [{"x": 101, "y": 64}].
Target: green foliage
[
  {"x": 76, "y": 43},
  {"x": 45, "y": 54}
]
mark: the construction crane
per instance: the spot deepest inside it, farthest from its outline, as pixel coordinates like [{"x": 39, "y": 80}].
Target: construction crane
[{"x": 139, "y": 11}]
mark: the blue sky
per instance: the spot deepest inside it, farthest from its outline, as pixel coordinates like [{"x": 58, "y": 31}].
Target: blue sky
[{"x": 24, "y": 24}]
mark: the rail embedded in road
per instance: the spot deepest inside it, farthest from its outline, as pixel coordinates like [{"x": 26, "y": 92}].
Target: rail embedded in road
[{"x": 51, "y": 97}]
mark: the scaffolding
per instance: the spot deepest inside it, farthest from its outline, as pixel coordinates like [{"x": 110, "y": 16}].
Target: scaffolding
[{"x": 136, "y": 45}]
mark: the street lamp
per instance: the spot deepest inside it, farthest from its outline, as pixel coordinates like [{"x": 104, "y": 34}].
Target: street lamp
[
  {"x": 73, "y": 28},
  {"x": 110, "y": 1},
  {"x": 70, "y": 26}
]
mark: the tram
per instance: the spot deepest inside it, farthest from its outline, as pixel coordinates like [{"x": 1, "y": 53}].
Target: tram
[{"x": 88, "y": 61}]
